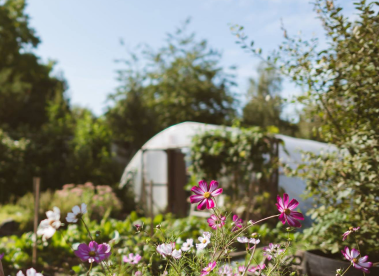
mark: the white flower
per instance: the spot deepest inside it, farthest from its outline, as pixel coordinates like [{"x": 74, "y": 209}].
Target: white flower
[
  {"x": 187, "y": 245},
  {"x": 242, "y": 239},
  {"x": 48, "y": 226},
  {"x": 247, "y": 240},
  {"x": 77, "y": 213},
  {"x": 29, "y": 272},
  {"x": 166, "y": 249},
  {"x": 204, "y": 241},
  {"x": 177, "y": 254},
  {"x": 254, "y": 241}
]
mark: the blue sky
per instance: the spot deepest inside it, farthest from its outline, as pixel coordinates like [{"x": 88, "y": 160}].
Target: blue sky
[{"x": 83, "y": 36}]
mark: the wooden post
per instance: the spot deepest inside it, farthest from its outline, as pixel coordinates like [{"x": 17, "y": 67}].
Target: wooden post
[
  {"x": 36, "y": 188},
  {"x": 1, "y": 269},
  {"x": 151, "y": 208}
]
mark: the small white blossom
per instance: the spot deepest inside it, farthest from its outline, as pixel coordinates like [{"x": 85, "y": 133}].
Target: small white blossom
[
  {"x": 177, "y": 254},
  {"x": 48, "y": 226},
  {"x": 204, "y": 241},
  {"x": 187, "y": 245},
  {"x": 29, "y": 272},
  {"x": 77, "y": 213}
]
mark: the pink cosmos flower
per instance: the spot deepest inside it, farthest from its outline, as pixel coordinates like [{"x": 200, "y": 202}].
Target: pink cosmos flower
[
  {"x": 225, "y": 270},
  {"x": 138, "y": 273},
  {"x": 93, "y": 252},
  {"x": 257, "y": 268},
  {"x": 237, "y": 223},
  {"x": 168, "y": 249},
  {"x": 287, "y": 215},
  {"x": 131, "y": 259},
  {"x": 214, "y": 222},
  {"x": 206, "y": 270},
  {"x": 348, "y": 232},
  {"x": 352, "y": 256},
  {"x": 204, "y": 195},
  {"x": 272, "y": 251}
]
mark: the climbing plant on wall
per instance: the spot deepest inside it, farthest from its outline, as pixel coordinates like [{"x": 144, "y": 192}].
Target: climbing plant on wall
[{"x": 246, "y": 159}]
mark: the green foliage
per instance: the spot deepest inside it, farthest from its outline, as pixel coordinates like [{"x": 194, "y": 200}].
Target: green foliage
[
  {"x": 341, "y": 84},
  {"x": 246, "y": 158},
  {"x": 265, "y": 105},
  {"x": 182, "y": 81}
]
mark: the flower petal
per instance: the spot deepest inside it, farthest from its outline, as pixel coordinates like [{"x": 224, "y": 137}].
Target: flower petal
[
  {"x": 282, "y": 218},
  {"x": 293, "y": 204},
  {"x": 197, "y": 190},
  {"x": 285, "y": 201},
  {"x": 280, "y": 201},
  {"x": 196, "y": 198},
  {"x": 213, "y": 186},
  {"x": 297, "y": 215},
  {"x": 202, "y": 204},
  {"x": 210, "y": 203},
  {"x": 216, "y": 192},
  {"x": 203, "y": 186}
]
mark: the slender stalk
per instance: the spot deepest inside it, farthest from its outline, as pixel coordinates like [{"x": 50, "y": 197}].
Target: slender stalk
[
  {"x": 89, "y": 233},
  {"x": 241, "y": 231},
  {"x": 346, "y": 270},
  {"x": 90, "y": 268},
  {"x": 251, "y": 258},
  {"x": 172, "y": 264}
]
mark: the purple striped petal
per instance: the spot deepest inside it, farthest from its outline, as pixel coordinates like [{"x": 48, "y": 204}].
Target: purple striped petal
[
  {"x": 202, "y": 204},
  {"x": 197, "y": 190},
  {"x": 293, "y": 204},
  {"x": 213, "y": 186},
  {"x": 280, "y": 202},
  {"x": 280, "y": 208},
  {"x": 210, "y": 203},
  {"x": 216, "y": 192},
  {"x": 297, "y": 215},
  {"x": 196, "y": 198},
  {"x": 282, "y": 218},
  {"x": 285, "y": 201},
  {"x": 203, "y": 186}
]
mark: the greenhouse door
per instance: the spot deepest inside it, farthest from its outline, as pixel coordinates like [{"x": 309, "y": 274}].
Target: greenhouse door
[{"x": 176, "y": 172}]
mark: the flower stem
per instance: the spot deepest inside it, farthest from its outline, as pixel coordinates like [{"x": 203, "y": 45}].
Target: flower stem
[
  {"x": 172, "y": 264},
  {"x": 346, "y": 270},
  {"x": 89, "y": 233},
  {"x": 251, "y": 258}
]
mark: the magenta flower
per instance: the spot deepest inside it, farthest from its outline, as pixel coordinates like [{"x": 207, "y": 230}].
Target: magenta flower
[
  {"x": 257, "y": 268},
  {"x": 131, "y": 259},
  {"x": 352, "y": 256},
  {"x": 237, "y": 223},
  {"x": 138, "y": 273},
  {"x": 287, "y": 215},
  {"x": 93, "y": 252},
  {"x": 215, "y": 222},
  {"x": 2, "y": 256},
  {"x": 348, "y": 232},
  {"x": 204, "y": 195},
  {"x": 206, "y": 270}
]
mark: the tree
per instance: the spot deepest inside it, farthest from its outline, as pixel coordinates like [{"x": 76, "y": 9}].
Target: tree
[
  {"x": 182, "y": 81},
  {"x": 265, "y": 105},
  {"x": 341, "y": 91}
]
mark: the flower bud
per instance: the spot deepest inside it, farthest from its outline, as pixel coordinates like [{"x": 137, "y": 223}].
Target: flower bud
[
  {"x": 158, "y": 226},
  {"x": 254, "y": 235},
  {"x": 97, "y": 233},
  {"x": 250, "y": 222}
]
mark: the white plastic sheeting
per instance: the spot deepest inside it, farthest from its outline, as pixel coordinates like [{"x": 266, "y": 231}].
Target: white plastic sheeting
[{"x": 180, "y": 136}]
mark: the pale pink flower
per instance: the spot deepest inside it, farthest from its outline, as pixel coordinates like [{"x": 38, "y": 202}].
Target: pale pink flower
[
  {"x": 204, "y": 241},
  {"x": 93, "y": 252},
  {"x": 187, "y": 245},
  {"x": 272, "y": 251},
  {"x": 132, "y": 259},
  {"x": 29, "y": 272},
  {"x": 225, "y": 270},
  {"x": 348, "y": 232},
  {"x": 257, "y": 269},
  {"x": 287, "y": 213},
  {"x": 237, "y": 222},
  {"x": 214, "y": 222},
  {"x": 168, "y": 249},
  {"x": 204, "y": 195},
  {"x": 206, "y": 270},
  {"x": 138, "y": 273},
  {"x": 358, "y": 263}
]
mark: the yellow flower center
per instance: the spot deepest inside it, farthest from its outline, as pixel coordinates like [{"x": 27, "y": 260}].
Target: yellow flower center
[
  {"x": 351, "y": 228},
  {"x": 204, "y": 241},
  {"x": 208, "y": 269},
  {"x": 355, "y": 260},
  {"x": 287, "y": 211},
  {"x": 92, "y": 253},
  {"x": 207, "y": 195}
]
